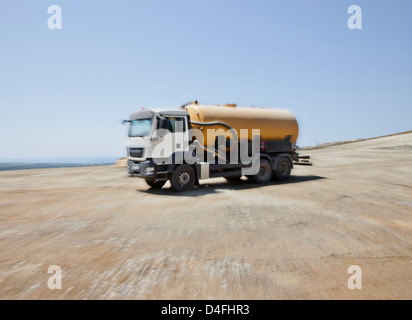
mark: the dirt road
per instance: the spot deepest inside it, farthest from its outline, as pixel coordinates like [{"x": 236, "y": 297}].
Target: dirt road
[{"x": 115, "y": 239}]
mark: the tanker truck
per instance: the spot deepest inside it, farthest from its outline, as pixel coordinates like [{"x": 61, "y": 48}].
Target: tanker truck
[{"x": 200, "y": 141}]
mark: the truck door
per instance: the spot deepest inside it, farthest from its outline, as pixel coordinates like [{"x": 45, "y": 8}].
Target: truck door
[{"x": 178, "y": 129}]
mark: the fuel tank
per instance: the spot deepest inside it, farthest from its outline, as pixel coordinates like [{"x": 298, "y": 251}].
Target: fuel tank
[{"x": 273, "y": 124}]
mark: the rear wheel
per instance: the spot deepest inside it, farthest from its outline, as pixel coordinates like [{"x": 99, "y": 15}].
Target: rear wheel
[
  {"x": 265, "y": 172},
  {"x": 283, "y": 169},
  {"x": 155, "y": 184},
  {"x": 183, "y": 178}
]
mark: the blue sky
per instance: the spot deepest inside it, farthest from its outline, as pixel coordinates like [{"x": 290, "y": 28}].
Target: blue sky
[{"x": 64, "y": 92}]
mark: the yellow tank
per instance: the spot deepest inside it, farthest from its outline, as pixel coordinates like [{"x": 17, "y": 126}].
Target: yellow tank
[{"x": 273, "y": 124}]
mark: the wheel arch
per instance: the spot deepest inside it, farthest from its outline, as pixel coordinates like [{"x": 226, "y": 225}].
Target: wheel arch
[{"x": 266, "y": 157}]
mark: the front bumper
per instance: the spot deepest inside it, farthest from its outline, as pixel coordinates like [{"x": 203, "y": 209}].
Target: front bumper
[
  {"x": 142, "y": 169},
  {"x": 148, "y": 169}
]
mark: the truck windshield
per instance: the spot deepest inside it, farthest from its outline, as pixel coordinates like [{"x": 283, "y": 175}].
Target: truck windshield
[{"x": 140, "y": 128}]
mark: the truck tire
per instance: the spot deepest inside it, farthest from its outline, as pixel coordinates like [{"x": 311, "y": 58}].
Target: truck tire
[
  {"x": 155, "y": 184},
  {"x": 183, "y": 178},
  {"x": 283, "y": 169},
  {"x": 265, "y": 173}
]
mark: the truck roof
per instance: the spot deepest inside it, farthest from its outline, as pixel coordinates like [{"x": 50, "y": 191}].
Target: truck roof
[
  {"x": 173, "y": 113},
  {"x": 144, "y": 114}
]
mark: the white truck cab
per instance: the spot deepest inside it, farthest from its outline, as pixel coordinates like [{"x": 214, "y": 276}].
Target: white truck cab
[{"x": 143, "y": 138}]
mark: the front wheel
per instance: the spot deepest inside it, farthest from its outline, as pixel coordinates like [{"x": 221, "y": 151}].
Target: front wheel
[
  {"x": 183, "y": 178},
  {"x": 155, "y": 184}
]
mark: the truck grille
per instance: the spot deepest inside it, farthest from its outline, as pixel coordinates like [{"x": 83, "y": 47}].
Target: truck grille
[{"x": 136, "y": 152}]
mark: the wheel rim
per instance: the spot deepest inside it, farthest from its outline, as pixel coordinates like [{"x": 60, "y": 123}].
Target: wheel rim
[
  {"x": 263, "y": 170},
  {"x": 184, "y": 178},
  {"x": 283, "y": 168}
]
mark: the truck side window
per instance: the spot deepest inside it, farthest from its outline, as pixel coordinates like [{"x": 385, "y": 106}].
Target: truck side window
[{"x": 176, "y": 124}]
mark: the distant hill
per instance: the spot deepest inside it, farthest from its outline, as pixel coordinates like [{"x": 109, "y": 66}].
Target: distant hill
[{"x": 337, "y": 143}]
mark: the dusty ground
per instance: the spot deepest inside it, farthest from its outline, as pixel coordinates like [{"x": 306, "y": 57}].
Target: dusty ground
[{"x": 115, "y": 239}]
